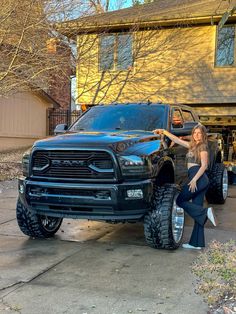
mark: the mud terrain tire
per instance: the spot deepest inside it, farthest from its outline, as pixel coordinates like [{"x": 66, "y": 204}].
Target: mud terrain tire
[
  {"x": 218, "y": 188},
  {"x": 163, "y": 226},
  {"x": 36, "y": 226}
]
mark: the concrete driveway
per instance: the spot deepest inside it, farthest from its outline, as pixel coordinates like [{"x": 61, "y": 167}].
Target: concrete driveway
[{"x": 98, "y": 268}]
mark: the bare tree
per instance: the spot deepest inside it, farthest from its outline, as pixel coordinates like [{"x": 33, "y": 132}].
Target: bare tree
[
  {"x": 229, "y": 12},
  {"x": 138, "y": 2},
  {"x": 101, "y": 6},
  {"x": 32, "y": 54}
]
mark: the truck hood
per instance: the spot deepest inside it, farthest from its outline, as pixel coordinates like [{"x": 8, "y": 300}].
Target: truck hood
[{"x": 119, "y": 141}]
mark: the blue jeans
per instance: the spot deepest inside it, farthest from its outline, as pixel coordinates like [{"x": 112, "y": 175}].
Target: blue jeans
[{"x": 195, "y": 208}]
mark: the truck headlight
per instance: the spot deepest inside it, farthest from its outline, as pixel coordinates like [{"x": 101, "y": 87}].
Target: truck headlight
[
  {"x": 133, "y": 165},
  {"x": 25, "y": 163}
]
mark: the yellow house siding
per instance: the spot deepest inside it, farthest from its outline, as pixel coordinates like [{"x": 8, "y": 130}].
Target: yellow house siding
[{"x": 173, "y": 65}]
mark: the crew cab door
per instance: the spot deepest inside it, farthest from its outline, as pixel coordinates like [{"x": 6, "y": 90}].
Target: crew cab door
[{"x": 178, "y": 152}]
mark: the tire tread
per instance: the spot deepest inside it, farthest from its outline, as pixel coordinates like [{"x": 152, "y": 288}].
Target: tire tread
[
  {"x": 157, "y": 223},
  {"x": 214, "y": 194},
  {"x": 30, "y": 223}
]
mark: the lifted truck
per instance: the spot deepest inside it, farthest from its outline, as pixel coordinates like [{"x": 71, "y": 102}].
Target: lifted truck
[{"x": 109, "y": 166}]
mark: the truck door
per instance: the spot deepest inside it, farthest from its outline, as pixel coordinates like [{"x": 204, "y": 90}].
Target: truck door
[{"x": 177, "y": 151}]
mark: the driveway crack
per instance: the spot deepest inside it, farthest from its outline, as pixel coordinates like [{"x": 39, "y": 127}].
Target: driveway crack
[
  {"x": 2, "y": 223},
  {"x": 39, "y": 274}
]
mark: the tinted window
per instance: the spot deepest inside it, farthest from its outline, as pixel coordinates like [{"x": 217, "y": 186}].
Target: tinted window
[
  {"x": 177, "y": 121},
  {"x": 187, "y": 115},
  {"x": 121, "y": 117}
]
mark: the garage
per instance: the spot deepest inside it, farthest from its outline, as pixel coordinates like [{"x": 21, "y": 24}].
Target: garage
[{"x": 219, "y": 119}]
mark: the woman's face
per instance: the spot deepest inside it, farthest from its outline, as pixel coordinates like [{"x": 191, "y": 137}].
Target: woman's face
[{"x": 197, "y": 135}]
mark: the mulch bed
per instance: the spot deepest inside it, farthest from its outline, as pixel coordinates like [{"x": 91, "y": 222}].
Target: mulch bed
[
  {"x": 224, "y": 307},
  {"x": 10, "y": 164}
]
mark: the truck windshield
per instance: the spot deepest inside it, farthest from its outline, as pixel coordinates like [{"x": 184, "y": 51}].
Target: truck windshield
[{"x": 121, "y": 117}]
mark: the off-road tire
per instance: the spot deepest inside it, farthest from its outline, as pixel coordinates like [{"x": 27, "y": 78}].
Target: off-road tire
[
  {"x": 158, "y": 222},
  {"x": 34, "y": 225},
  {"x": 215, "y": 194}
]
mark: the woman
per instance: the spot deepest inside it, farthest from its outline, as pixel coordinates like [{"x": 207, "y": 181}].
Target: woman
[{"x": 195, "y": 189}]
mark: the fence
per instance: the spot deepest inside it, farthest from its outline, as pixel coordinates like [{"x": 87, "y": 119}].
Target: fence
[{"x": 59, "y": 116}]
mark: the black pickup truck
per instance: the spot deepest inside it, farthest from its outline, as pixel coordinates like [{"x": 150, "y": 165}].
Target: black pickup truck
[{"x": 109, "y": 166}]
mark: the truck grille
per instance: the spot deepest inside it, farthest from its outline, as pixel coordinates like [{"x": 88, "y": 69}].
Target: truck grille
[{"x": 73, "y": 164}]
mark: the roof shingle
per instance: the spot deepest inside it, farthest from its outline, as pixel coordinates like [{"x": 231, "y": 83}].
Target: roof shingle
[{"x": 159, "y": 11}]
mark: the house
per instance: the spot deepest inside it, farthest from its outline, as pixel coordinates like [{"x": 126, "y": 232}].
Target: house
[
  {"x": 169, "y": 51},
  {"x": 23, "y": 119}
]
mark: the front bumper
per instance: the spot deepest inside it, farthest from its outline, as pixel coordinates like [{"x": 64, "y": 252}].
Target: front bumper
[{"x": 90, "y": 201}]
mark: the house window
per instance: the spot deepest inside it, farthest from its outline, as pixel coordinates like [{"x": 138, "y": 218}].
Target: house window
[
  {"x": 124, "y": 52},
  {"x": 107, "y": 52},
  {"x": 115, "y": 52},
  {"x": 225, "y": 54}
]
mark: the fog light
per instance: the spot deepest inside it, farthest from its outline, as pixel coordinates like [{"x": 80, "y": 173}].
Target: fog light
[
  {"x": 135, "y": 193},
  {"x": 103, "y": 195},
  {"x": 21, "y": 188}
]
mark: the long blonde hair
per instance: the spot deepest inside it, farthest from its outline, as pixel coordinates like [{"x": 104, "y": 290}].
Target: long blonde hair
[{"x": 194, "y": 147}]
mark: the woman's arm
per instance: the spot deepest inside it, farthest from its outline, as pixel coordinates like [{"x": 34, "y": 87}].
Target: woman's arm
[
  {"x": 204, "y": 162},
  {"x": 172, "y": 137}
]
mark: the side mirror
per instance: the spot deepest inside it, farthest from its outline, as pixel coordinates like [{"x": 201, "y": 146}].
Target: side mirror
[
  {"x": 60, "y": 129},
  {"x": 185, "y": 130}
]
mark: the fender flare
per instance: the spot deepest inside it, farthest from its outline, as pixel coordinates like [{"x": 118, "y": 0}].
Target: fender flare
[{"x": 163, "y": 162}]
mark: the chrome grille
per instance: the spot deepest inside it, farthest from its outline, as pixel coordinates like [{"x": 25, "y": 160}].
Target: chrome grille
[{"x": 73, "y": 164}]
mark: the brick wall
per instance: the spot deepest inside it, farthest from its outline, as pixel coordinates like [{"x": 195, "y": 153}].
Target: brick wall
[{"x": 60, "y": 85}]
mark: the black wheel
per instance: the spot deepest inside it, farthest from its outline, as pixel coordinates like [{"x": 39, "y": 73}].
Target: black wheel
[
  {"x": 36, "y": 226},
  {"x": 218, "y": 188},
  {"x": 164, "y": 225}
]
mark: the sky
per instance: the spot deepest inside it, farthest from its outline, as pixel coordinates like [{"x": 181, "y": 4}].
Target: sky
[
  {"x": 72, "y": 10},
  {"x": 125, "y": 4}
]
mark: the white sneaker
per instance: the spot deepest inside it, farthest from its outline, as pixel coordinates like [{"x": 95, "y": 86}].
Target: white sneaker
[
  {"x": 188, "y": 246},
  {"x": 211, "y": 216}
]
